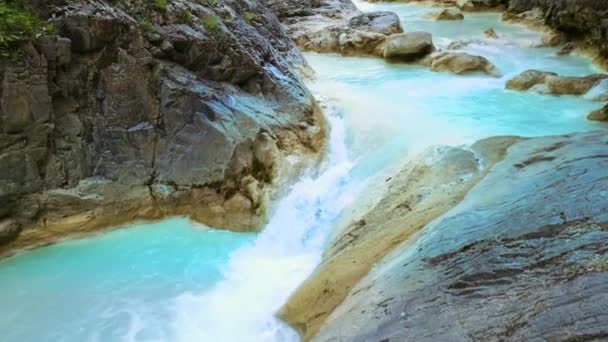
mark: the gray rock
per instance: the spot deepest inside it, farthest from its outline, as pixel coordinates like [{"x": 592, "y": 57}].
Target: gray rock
[
  {"x": 336, "y": 26},
  {"x": 408, "y": 46},
  {"x": 146, "y": 100},
  {"x": 522, "y": 256}
]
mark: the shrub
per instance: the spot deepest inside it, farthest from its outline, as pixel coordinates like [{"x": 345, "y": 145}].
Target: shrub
[{"x": 18, "y": 26}]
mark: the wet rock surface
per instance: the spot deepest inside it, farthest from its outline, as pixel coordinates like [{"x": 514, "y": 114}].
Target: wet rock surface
[
  {"x": 551, "y": 83},
  {"x": 519, "y": 253},
  {"x": 408, "y": 46},
  {"x": 460, "y": 63},
  {"x": 336, "y": 26},
  {"x": 136, "y": 112}
]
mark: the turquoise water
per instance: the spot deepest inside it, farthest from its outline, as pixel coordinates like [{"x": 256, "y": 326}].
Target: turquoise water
[
  {"x": 111, "y": 287},
  {"x": 176, "y": 281}
]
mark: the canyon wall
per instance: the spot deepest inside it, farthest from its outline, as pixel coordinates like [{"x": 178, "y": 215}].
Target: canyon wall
[{"x": 143, "y": 109}]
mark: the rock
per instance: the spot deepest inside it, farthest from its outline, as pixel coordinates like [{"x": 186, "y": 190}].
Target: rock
[
  {"x": 447, "y": 14},
  {"x": 505, "y": 273},
  {"x": 408, "y": 46},
  {"x": 460, "y": 63},
  {"x": 561, "y": 85},
  {"x": 382, "y": 22},
  {"x": 480, "y": 5},
  {"x": 336, "y": 26},
  {"x": 599, "y": 115},
  {"x": 422, "y": 191},
  {"x": 9, "y": 230},
  {"x": 551, "y": 39},
  {"x": 490, "y": 33},
  {"x": 112, "y": 119},
  {"x": 551, "y": 83},
  {"x": 584, "y": 21},
  {"x": 528, "y": 79},
  {"x": 566, "y": 49}
]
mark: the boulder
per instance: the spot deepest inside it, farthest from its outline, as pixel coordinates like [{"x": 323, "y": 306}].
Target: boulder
[
  {"x": 551, "y": 83},
  {"x": 528, "y": 79},
  {"x": 408, "y": 46},
  {"x": 336, "y": 26},
  {"x": 447, "y": 14},
  {"x": 382, "y": 22},
  {"x": 599, "y": 115},
  {"x": 461, "y": 63}
]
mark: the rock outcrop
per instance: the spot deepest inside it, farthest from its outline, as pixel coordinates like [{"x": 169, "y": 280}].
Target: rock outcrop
[
  {"x": 505, "y": 240},
  {"x": 551, "y": 83},
  {"x": 336, "y": 26},
  {"x": 139, "y": 110},
  {"x": 581, "y": 21}
]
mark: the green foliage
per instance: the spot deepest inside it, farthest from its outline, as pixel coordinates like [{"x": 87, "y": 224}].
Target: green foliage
[
  {"x": 186, "y": 17},
  {"x": 250, "y": 17},
  {"x": 210, "y": 23},
  {"x": 208, "y": 2},
  {"x": 154, "y": 79},
  {"x": 18, "y": 26},
  {"x": 160, "y": 4},
  {"x": 146, "y": 25}
]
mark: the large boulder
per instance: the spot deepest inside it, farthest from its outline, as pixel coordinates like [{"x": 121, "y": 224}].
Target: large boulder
[
  {"x": 408, "y": 46},
  {"x": 460, "y": 63},
  {"x": 503, "y": 241}
]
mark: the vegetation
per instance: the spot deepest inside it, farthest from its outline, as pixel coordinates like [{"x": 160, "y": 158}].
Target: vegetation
[
  {"x": 186, "y": 17},
  {"x": 160, "y": 4},
  {"x": 250, "y": 17},
  {"x": 210, "y": 23},
  {"x": 18, "y": 26}
]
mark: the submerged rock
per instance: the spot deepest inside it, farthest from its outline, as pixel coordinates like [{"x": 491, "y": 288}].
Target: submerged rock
[
  {"x": 408, "y": 46},
  {"x": 490, "y": 33},
  {"x": 551, "y": 83},
  {"x": 508, "y": 241},
  {"x": 460, "y": 63},
  {"x": 138, "y": 112}
]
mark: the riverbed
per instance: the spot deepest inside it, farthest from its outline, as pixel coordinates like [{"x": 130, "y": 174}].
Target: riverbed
[{"x": 179, "y": 281}]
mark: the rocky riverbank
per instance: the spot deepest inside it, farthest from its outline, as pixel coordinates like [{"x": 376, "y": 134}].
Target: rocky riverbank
[
  {"x": 505, "y": 239},
  {"x": 140, "y": 110}
]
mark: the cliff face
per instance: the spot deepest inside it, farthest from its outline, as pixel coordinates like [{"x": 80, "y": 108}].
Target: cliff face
[
  {"x": 141, "y": 109},
  {"x": 504, "y": 241},
  {"x": 584, "y": 20}
]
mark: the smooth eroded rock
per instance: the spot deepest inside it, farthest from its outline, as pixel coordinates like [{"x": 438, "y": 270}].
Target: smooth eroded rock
[
  {"x": 521, "y": 256},
  {"x": 408, "y": 46},
  {"x": 461, "y": 63}
]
